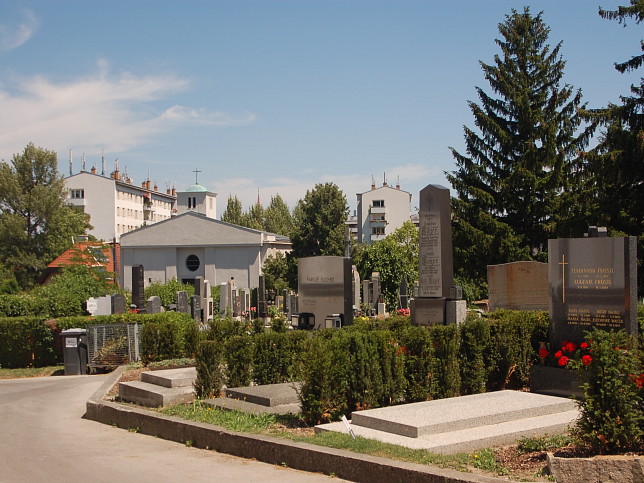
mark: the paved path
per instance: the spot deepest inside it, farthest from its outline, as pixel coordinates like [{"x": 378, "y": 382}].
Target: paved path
[{"x": 43, "y": 438}]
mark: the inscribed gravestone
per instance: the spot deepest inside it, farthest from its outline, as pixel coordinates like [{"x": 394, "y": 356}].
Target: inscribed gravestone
[
  {"x": 518, "y": 286},
  {"x": 356, "y": 287},
  {"x": 435, "y": 271},
  {"x": 593, "y": 283},
  {"x": 324, "y": 288},
  {"x": 92, "y": 306},
  {"x": 196, "y": 308},
  {"x": 182, "y": 302},
  {"x": 104, "y": 305},
  {"x": 435, "y": 264},
  {"x": 118, "y": 304},
  {"x": 154, "y": 304},
  {"x": 138, "y": 287}
]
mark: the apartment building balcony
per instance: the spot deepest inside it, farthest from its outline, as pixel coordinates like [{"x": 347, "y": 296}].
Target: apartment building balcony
[
  {"x": 378, "y": 222},
  {"x": 375, "y": 238},
  {"x": 378, "y": 210},
  {"x": 76, "y": 201}
]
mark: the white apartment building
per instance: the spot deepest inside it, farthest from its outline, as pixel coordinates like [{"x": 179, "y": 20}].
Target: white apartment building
[
  {"x": 381, "y": 211},
  {"x": 117, "y": 206}
]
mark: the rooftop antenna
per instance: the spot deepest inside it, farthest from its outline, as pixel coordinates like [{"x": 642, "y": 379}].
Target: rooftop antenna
[
  {"x": 102, "y": 161},
  {"x": 196, "y": 172},
  {"x": 70, "y": 162}
]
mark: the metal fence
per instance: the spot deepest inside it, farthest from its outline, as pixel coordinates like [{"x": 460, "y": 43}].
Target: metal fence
[{"x": 111, "y": 345}]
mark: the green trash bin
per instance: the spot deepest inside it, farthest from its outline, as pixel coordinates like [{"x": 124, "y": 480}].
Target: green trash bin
[{"x": 75, "y": 351}]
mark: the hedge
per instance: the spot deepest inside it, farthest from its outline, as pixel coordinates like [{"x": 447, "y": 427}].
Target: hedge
[{"x": 36, "y": 341}]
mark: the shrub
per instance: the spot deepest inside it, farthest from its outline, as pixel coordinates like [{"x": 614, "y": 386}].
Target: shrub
[
  {"x": 445, "y": 339},
  {"x": 325, "y": 382},
  {"x": 612, "y": 415},
  {"x": 24, "y": 342},
  {"x": 167, "y": 292},
  {"x": 239, "y": 359},
  {"x": 475, "y": 345},
  {"x": 276, "y": 356},
  {"x": 419, "y": 361},
  {"x": 210, "y": 374}
]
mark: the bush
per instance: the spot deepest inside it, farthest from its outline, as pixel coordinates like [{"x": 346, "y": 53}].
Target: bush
[
  {"x": 612, "y": 415},
  {"x": 25, "y": 342},
  {"x": 210, "y": 374},
  {"x": 276, "y": 356},
  {"x": 515, "y": 337},
  {"x": 239, "y": 361},
  {"x": 445, "y": 339},
  {"x": 475, "y": 345},
  {"x": 167, "y": 292},
  {"x": 419, "y": 362}
]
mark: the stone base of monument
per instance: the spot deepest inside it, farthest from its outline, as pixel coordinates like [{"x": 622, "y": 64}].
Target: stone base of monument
[
  {"x": 428, "y": 311},
  {"x": 437, "y": 311},
  {"x": 466, "y": 423},
  {"x": 555, "y": 381},
  {"x": 598, "y": 469},
  {"x": 269, "y": 398},
  {"x": 455, "y": 311}
]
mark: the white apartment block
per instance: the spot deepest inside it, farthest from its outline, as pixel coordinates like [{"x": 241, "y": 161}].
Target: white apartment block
[
  {"x": 117, "y": 206},
  {"x": 381, "y": 211}
]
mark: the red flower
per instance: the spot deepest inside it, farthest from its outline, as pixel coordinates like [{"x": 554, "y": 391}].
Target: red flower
[
  {"x": 570, "y": 347},
  {"x": 563, "y": 360},
  {"x": 584, "y": 345},
  {"x": 543, "y": 353},
  {"x": 558, "y": 354},
  {"x": 586, "y": 360}
]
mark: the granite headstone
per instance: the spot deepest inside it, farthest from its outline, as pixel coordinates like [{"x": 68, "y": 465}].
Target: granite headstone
[
  {"x": 518, "y": 286},
  {"x": 324, "y": 288}
]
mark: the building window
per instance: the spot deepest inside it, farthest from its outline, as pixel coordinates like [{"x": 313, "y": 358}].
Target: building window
[
  {"x": 192, "y": 262},
  {"x": 378, "y": 203},
  {"x": 78, "y": 194},
  {"x": 378, "y": 230}
]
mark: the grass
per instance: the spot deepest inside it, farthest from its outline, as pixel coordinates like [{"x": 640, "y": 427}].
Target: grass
[
  {"x": 31, "y": 372},
  {"x": 274, "y": 425}
]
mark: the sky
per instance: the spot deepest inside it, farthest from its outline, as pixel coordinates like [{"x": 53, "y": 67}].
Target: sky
[{"x": 267, "y": 97}]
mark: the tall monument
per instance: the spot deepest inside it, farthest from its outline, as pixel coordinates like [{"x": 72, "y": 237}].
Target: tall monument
[{"x": 438, "y": 300}]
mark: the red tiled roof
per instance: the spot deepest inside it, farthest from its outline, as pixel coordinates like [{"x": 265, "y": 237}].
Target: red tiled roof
[{"x": 93, "y": 254}]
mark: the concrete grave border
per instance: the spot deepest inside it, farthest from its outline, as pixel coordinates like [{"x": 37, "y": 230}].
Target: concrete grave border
[{"x": 301, "y": 456}]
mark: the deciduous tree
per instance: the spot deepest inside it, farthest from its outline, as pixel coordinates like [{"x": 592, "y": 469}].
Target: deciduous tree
[{"x": 36, "y": 224}]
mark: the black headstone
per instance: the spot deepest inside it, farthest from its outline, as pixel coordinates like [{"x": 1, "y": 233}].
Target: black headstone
[
  {"x": 592, "y": 283},
  {"x": 262, "y": 310},
  {"x": 118, "y": 303},
  {"x": 138, "y": 286}
]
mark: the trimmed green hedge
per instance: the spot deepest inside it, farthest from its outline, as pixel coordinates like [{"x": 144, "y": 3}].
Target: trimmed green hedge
[{"x": 36, "y": 341}]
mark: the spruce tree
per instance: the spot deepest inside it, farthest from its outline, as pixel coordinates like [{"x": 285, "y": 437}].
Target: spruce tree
[
  {"x": 514, "y": 184},
  {"x": 616, "y": 165}
]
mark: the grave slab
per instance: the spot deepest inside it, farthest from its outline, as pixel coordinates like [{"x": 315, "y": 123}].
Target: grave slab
[
  {"x": 267, "y": 395},
  {"x": 459, "y": 413}
]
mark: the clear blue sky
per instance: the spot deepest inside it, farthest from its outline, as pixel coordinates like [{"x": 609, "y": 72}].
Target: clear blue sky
[{"x": 273, "y": 95}]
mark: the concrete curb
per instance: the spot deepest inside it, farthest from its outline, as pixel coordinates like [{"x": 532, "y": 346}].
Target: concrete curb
[{"x": 302, "y": 456}]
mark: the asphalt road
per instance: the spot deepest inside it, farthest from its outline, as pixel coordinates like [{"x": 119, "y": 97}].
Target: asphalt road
[{"x": 43, "y": 438}]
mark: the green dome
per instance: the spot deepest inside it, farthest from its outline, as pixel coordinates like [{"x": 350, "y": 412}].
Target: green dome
[{"x": 196, "y": 188}]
